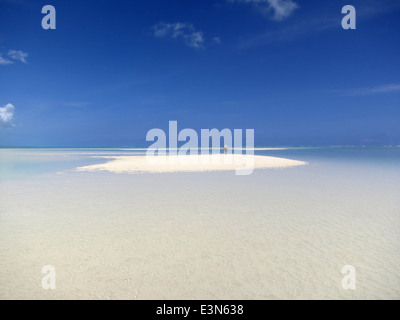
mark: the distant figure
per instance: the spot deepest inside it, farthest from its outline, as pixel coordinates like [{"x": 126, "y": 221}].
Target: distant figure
[{"x": 225, "y": 149}]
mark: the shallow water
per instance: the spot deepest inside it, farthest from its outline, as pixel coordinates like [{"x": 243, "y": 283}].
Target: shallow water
[{"x": 276, "y": 234}]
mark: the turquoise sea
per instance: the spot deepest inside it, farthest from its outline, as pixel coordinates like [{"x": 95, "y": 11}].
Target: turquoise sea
[
  {"x": 24, "y": 162},
  {"x": 275, "y": 234}
]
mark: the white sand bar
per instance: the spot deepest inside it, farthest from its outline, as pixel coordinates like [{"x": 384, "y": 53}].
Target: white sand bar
[{"x": 190, "y": 163}]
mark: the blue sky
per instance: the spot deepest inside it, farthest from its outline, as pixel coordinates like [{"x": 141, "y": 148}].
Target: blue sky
[{"x": 112, "y": 70}]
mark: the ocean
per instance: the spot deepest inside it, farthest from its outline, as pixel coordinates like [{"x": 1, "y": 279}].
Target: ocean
[{"x": 276, "y": 234}]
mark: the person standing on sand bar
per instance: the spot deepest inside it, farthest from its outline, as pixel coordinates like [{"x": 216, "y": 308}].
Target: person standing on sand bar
[{"x": 225, "y": 149}]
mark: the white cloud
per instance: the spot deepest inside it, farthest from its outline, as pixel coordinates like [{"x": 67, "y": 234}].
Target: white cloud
[
  {"x": 6, "y": 115},
  {"x": 185, "y": 31},
  {"x": 281, "y": 9},
  {"x": 12, "y": 56},
  {"x": 217, "y": 40},
  {"x": 18, "y": 55},
  {"x": 4, "y": 61}
]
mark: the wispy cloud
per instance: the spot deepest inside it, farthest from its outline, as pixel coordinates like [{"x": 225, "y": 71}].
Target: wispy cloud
[
  {"x": 280, "y": 9},
  {"x": 372, "y": 8},
  {"x": 76, "y": 104},
  {"x": 315, "y": 24},
  {"x": 13, "y": 56},
  {"x": 6, "y": 115},
  {"x": 217, "y": 40},
  {"x": 185, "y": 31},
  {"x": 4, "y": 61},
  {"x": 388, "y": 88},
  {"x": 18, "y": 55},
  {"x": 290, "y": 32}
]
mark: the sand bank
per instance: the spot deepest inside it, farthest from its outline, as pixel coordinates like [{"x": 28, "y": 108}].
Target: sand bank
[{"x": 189, "y": 163}]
